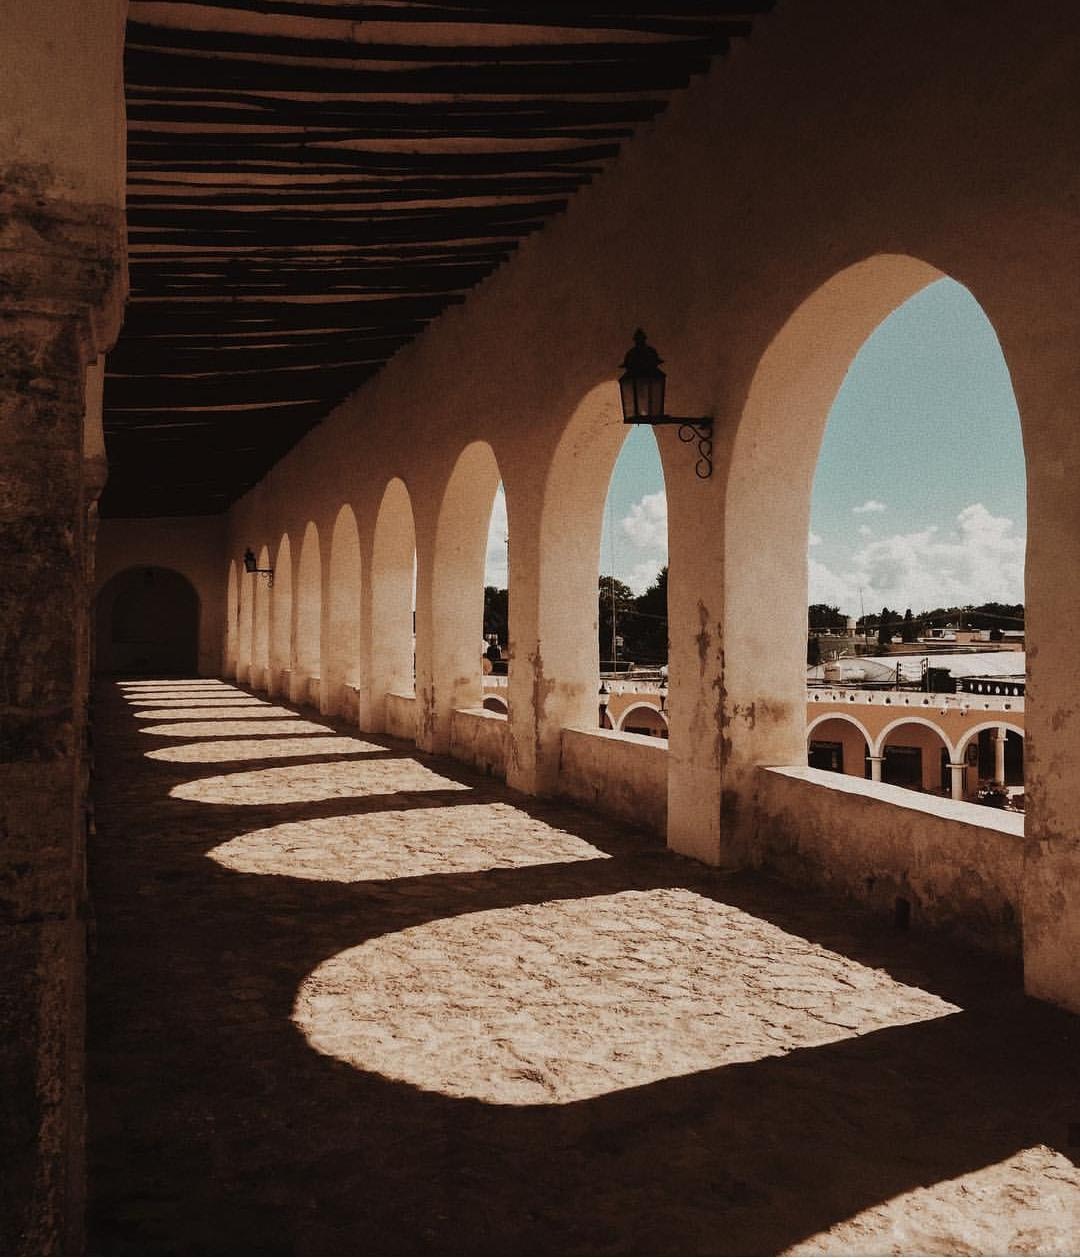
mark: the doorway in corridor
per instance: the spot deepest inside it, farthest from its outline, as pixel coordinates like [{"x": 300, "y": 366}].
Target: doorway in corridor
[{"x": 147, "y": 621}]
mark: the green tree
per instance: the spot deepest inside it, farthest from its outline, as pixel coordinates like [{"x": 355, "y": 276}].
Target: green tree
[
  {"x": 910, "y": 629},
  {"x": 824, "y": 616},
  {"x": 616, "y": 598},
  {"x": 885, "y": 627},
  {"x": 497, "y": 613},
  {"x": 646, "y": 624},
  {"x": 813, "y": 651}
]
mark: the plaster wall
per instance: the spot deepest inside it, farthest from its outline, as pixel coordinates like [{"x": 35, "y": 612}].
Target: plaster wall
[
  {"x": 759, "y": 230},
  {"x": 624, "y": 775},
  {"x": 959, "y": 866},
  {"x": 191, "y": 546},
  {"x": 478, "y": 737}
]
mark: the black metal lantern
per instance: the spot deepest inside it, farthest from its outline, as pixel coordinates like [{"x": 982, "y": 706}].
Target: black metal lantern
[
  {"x": 251, "y": 564},
  {"x": 641, "y": 387},
  {"x": 642, "y": 384}
]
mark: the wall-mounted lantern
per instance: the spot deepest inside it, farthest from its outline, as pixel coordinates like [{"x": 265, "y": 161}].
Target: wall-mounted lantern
[
  {"x": 251, "y": 565},
  {"x": 604, "y": 696},
  {"x": 642, "y": 389}
]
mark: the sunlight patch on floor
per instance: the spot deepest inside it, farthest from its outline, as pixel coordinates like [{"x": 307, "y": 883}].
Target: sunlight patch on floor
[
  {"x": 219, "y": 729},
  {"x": 306, "y": 783},
  {"x": 262, "y": 749},
  {"x": 265, "y": 712},
  {"x": 558, "y": 1002},
  {"x": 1027, "y": 1204},
  {"x": 404, "y": 843},
  {"x": 203, "y": 701}
]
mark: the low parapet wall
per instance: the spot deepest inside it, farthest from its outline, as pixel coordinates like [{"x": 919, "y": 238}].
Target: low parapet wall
[
  {"x": 478, "y": 737},
  {"x": 948, "y": 864},
  {"x": 401, "y": 715},
  {"x": 624, "y": 775}
]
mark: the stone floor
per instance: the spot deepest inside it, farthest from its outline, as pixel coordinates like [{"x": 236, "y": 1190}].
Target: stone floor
[{"x": 350, "y": 999}]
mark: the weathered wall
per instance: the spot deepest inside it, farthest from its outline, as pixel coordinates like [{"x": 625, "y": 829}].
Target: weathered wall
[
  {"x": 624, "y": 775},
  {"x": 62, "y": 281},
  {"x": 478, "y": 737},
  {"x": 193, "y": 547},
  {"x": 960, "y": 867},
  {"x": 818, "y": 177}
]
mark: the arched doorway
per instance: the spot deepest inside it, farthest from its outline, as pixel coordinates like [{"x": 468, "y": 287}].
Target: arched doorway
[
  {"x": 147, "y": 622},
  {"x": 838, "y": 745}
]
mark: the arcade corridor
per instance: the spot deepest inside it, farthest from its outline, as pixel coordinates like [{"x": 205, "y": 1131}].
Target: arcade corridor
[{"x": 346, "y": 997}]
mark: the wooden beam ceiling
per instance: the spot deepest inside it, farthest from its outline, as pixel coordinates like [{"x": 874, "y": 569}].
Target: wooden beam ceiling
[{"x": 310, "y": 184}]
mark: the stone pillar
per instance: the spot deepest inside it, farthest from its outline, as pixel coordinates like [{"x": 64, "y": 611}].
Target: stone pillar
[
  {"x": 1000, "y": 735},
  {"x": 875, "y": 767},
  {"x": 62, "y": 280},
  {"x": 956, "y": 774}
]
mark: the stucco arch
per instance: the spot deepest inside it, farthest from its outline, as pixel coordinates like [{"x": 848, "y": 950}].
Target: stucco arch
[
  {"x": 639, "y": 707},
  {"x": 555, "y": 660},
  {"x": 841, "y": 716},
  {"x": 307, "y": 643},
  {"x": 260, "y": 648},
  {"x": 392, "y": 576},
  {"x": 976, "y": 730},
  {"x": 232, "y": 620},
  {"x": 147, "y": 621},
  {"x": 450, "y": 628},
  {"x": 771, "y": 459},
  {"x": 495, "y": 703},
  {"x": 281, "y": 618},
  {"x": 878, "y": 744},
  {"x": 343, "y": 644}
]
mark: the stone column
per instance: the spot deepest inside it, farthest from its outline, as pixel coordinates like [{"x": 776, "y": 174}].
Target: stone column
[
  {"x": 62, "y": 281},
  {"x": 875, "y": 767},
  {"x": 956, "y": 774},
  {"x": 1000, "y": 735}
]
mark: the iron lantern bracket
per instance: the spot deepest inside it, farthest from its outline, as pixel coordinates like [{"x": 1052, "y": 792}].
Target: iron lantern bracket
[{"x": 692, "y": 429}]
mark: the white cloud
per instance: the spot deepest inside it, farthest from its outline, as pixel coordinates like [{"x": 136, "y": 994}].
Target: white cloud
[
  {"x": 646, "y": 524},
  {"x": 871, "y": 504},
  {"x": 814, "y": 539},
  {"x": 495, "y": 561},
  {"x": 980, "y": 561},
  {"x": 865, "y": 530}
]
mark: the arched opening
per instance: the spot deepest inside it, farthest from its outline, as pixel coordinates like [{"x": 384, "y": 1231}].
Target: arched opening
[
  {"x": 919, "y": 510},
  {"x": 281, "y": 616},
  {"x": 993, "y": 753},
  {"x": 916, "y": 755},
  {"x": 147, "y": 622},
  {"x": 393, "y": 586},
  {"x": 307, "y": 661},
  {"x": 493, "y": 703},
  {"x": 644, "y": 718},
  {"x": 232, "y": 620},
  {"x": 632, "y": 610},
  {"x": 497, "y": 592},
  {"x": 450, "y": 637},
  {"x": 260, "y": 648},
  {"x": 343, "y": 640},
  {"x": 838, "y": 745}
]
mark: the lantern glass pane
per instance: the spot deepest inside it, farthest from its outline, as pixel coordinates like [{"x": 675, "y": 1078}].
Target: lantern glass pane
[
  {"x": 629, "y": 398},
  {"x": 656, "y": 396}
]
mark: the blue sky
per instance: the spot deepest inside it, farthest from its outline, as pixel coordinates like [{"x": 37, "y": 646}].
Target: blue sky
[{"x": 919, "y": 498}]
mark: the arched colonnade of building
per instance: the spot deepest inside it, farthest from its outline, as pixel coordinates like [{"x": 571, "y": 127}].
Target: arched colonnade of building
[{"x": 758, "y": 308}]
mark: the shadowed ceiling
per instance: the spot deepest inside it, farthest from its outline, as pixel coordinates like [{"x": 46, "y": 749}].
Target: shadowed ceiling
[{"x": 310, "y": 184}]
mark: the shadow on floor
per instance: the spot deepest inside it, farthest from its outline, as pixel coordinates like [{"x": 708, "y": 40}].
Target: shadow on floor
[{"x": 216, "y": 1128}]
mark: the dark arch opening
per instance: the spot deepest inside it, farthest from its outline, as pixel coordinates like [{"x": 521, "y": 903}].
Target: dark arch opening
[{"x": 147, "y": 621}]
